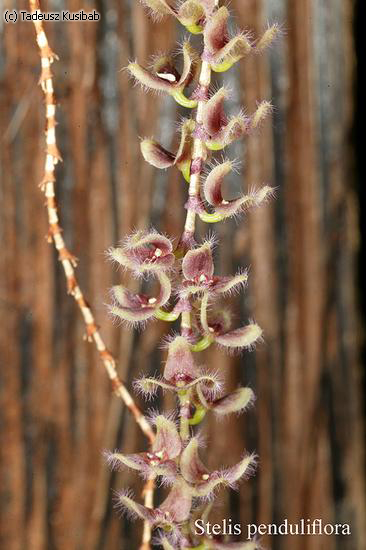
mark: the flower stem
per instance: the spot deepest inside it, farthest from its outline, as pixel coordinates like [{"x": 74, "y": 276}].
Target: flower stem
[
  {"x": 199, "y": 153},
  {"x": 198, "y": 159}
]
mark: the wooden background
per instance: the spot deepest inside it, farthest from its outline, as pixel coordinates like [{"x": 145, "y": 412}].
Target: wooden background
[{"x": 56, "y": 410}]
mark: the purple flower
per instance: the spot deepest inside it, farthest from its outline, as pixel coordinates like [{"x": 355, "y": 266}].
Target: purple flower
[
  {"x": 163, "y": 77},
  {"x": 237, "y": 401},
  {"x": 198, "y": 271},
  {"x": 139, "y": 308},
  {"x": 219, "y": 130},
  {"x": 145, "y": 252},
  {"x": 174, "y": 510},
  {"x": 217, "y": 327},
  {"x": 202, "y": 482},
  {"x": 190, "y": 13},
  {"x": 180, "y": 373},
  {"x": 159, "y": 157},
  {"x": 221, "y": 50},
  {"x": 160, "y": 461},
  {"x": 212, "y": 190}
]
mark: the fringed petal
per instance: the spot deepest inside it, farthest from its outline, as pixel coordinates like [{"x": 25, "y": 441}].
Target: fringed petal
[
  {"x": 214, "y": 181},
  {"x": 213, "y": 115},
  {"x": 133, "y": 461},
  {"x": 198, "y": 264},
  {"x": 150, "y": 80},
  {"x": 216, "y": 32},
  {"x": 236, "y": 401},
  {"x": 213, "y": 192},
  {"x": 191, "y": 466},
  {"x": 268, "y": 37},
  {"x": 156, "y": 155},
  {"x": 167, "y": 444},
  {"x": 240, "y": 338},
  {"x": 264, "y": 109},
  {"x": 230, "y": 284},
  {"x": 180, "y": 367},
  {"x": 146, "y": 464},
  {"x": 243, "y": 469},
  {"x": 236, "y": 128},
  {"x": 136, "y": 510},
  {"x": 190, "y": 57},
  {"x": 149, "y": 386}
]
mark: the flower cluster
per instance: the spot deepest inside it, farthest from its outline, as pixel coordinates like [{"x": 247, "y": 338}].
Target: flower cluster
[{"x": 184, "y": 283}]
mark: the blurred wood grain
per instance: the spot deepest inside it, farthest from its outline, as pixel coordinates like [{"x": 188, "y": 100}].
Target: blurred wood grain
[{"x": 57, "y": 413}]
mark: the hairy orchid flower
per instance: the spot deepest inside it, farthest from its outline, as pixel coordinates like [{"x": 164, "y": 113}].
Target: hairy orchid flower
[
  {"x": 180, "y": 372},
  {"x": 219, "y": 131},
  {"x": 190, "y": 13},
  {"x": 223, "y": 208},
  {"x": 160, "y": 460},
  {"x": 174, "y": 510},
  {"x": 241, "y": 338},
  {"x": 221, "y": 50},
  {"x": 139, "y": 308},
  {"x": 145, "y": 252},
  {"x": 201, "y": 482},
  {"x": 198, "y": 272},
  {"x": 159, "y": 157},
  {"x": 235, "y": 402},
  {"x": 164, "y": 78}
]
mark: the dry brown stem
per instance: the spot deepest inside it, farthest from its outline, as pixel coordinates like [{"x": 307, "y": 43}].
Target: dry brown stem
[{"x": 68, "y": 260}]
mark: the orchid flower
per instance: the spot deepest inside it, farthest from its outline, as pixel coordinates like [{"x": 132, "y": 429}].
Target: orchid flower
[
  {"x": 199, "y": 278},
  {"x": 145, "y": 252},
  {"x": 164, "y": 77}
]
